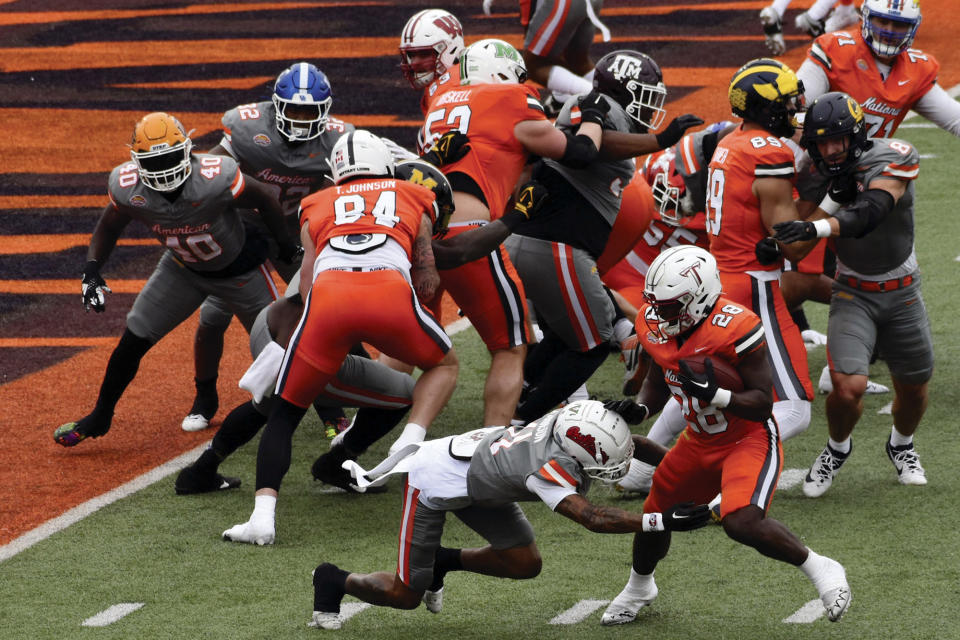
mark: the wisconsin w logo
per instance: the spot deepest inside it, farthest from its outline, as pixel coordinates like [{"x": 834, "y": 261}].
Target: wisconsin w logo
[{"x": 449, "y": 25}]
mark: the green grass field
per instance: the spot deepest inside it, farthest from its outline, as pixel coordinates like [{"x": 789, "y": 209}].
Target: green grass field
[{"x": 898, "y": 543}]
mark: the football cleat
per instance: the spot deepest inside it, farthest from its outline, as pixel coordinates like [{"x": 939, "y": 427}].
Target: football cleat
[
  {"x": 813, "y": 337},
  {"x": 808, "y": 25},
  {"x": 626, "y": 606},
  {"x": 825, "y": 384},
  {"x": 259, "y": 533},
  {"x": 433, "y": 600},
  {"x": 326, "y": 620},
  {"x": 67, "y": 435},
  {"x": 193, "y": 480},
  {"x": 638, "y": 479},
  {"x": 195, "y": 422},
  {"x": 907, "y": 463},
  {"x": 772, "y": 30},
  {"x": 836, "y": 597},
  {"x": 842, "y": 16},
  {"x": 824, "y": 469}
]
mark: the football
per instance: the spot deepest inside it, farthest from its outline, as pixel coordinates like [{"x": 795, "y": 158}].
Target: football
[{"x": 725, "y": 373}]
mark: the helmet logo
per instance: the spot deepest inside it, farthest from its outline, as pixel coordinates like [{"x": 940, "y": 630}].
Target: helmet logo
[
  {"x": 587, "y": 442},
  {"x": 693, "y": 271},
  {"x": 418, "y": 177},
  {"x": 855, "y": 109},
  {"x": 449, "y": 25},
  {"x": 625, "y": 67}
]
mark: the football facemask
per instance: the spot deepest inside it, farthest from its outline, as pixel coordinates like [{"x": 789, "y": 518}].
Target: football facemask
[
  {"x": 888, "y": 40},
  {"x": 430, "y": 44},
  {"x": 302, "y": 98},
  {"x": 161, "y": 150}
]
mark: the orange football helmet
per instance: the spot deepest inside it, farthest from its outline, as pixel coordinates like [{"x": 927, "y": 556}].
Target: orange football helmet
[{"x": 161, "y": 149}]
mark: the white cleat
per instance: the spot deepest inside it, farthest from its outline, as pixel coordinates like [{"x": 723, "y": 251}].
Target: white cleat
[
  {"x": 842, "y": 16},
  {"x": 823, "y": 470},
  {"x": 194, "y": 422},
  {"x": 325, "y": 620},
  {"x": 433, "y": 600},
  {"x": 772, "y": 31},
  {"x": 250, "y": 532},
  {"x": 907, "y": 463},
  {"x": 813, "y": 337},
  {"x": 808, "y": 25},
  {"x": 638, "y": 479},
  {"x": 836, "y": 597},
  {"x": 626, "y": 606},
  {"x": 825, "y": 384}
]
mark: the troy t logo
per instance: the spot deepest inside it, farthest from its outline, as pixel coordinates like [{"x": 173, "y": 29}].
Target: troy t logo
[{"x": 693, "y": 271}]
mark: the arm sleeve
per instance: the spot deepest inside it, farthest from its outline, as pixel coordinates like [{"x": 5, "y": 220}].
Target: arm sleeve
[
  {"x": 814, "y": 78},
  {"x": 549, "y": 492},
  {"x": 939, "y": 108}
]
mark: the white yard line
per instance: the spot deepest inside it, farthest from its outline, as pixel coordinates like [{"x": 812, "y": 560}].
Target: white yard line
[
  {"x": 578, "y": 612},
  {"x": 790, "y": 478},
  {"x": 806, "y": 614},
  {"x": 111, "y": 614}
]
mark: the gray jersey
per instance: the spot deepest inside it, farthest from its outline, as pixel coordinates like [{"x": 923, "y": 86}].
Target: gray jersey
[
  {"x": 292, "y": 170},
  {"x": 507, "y": 457},
  {"x": 201, "y": 227},
  {"x": 890, "y": 245},
  {"x": 601, "y": 183}
]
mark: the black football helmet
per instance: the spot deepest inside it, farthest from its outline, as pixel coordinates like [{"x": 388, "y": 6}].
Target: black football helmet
[
  {"x": 427, "y": 175},
  {"x": 834, "y": 115},
  {"x": 635, "y": 82},
  {"x": 769, "y": 93}
]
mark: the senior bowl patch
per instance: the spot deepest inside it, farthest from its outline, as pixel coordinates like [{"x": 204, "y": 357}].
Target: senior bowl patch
[{"x": 262, "y": 139}]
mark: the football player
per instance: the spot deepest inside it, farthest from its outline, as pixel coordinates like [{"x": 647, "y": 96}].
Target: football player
[
  {"x": 876, "y": 295},
  {"x": 283, "y": 142},
  {"x": 877, "y": 66},
  {"x": 557, "y": 254},
  {"x": 731, "y": 441},
  {"x": 430, "y": 48},
  {"x": 749, "y": 189},
  {"x": 814, "y": 21},
  {"x": 556, "y": 46},
  {"x": 479, "y": 477},
  {"x": 368, "y": 253},
  {"x": 190, "y": 202}
]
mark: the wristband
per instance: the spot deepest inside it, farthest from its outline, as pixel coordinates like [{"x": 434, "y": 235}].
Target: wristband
[
  {"x": 829, "y": 205},
  {"x": 646, "y": 411},
  {"x": 823, "y": 228},
  {"x": 653, "y": 522},
  {"x": 721, "y": 398}
]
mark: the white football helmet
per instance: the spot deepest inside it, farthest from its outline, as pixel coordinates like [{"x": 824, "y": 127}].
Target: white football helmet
[
  {"x": 161, "y": 149},
  {"x": 888, "y": 42},
  {"x": 595, "y": 437},
  {"x": 682, "y": 286},
  {"x": 492, "y": 61},
  {"x": 360, "y": 153},
  {"x": 435, "y": 33}
]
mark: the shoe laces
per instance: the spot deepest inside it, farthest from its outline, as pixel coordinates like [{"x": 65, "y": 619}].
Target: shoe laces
[
  {"x": 826, "y": 464},
  {"x": 907, "y": 458}
]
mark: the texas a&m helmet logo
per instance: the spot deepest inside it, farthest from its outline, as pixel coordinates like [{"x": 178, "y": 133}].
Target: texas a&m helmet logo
[{"x": 625, "y": 67}]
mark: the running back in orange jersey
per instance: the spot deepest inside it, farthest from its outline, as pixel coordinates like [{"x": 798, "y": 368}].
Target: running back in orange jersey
[
  {"x": 851, "y": 67},
  {"x": 368, "y": 206},
  {"x": 733, "y": 221},
  {"x": 487, "y": 113}
]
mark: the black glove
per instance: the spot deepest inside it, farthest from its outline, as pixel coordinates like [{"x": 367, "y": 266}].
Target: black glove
[
  {"x": 93, "y": 287},
  {"x": 530, "y": 199},
  {"x": 793, "y": 231},
  {"x": 686, "y": 517},
  {"x": 675, "y": 130},
  {"x": 703, "y": 386},
  {"x": 630, "y": 411},
  {"x": 843, "y": 189},
  {"x": 290, "y": 253},
  {"x": 767, "y": 251},
  {"x": 448, "y": 148},
  {"x": 593, "y": 107}
]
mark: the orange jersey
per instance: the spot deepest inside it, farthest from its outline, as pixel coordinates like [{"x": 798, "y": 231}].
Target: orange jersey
[
  {"x": 730, "y": 332},
  {"x": 449, "y": 80},
  {"x": 487, "y": 113},
  {"x": 368, "y": 206},
  {"x": 851, "y": 67},
  {"x": 733, "y": 210},
  {"x": 637, "y": 209}
]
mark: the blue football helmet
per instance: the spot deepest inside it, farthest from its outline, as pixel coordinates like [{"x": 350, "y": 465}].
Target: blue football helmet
[{"x": 302, "y": 97}]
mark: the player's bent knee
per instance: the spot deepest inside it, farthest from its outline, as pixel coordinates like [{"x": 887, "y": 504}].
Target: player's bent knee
[
  {"x": 742, "y": 525},
  {"x": 525, "y": 562}
]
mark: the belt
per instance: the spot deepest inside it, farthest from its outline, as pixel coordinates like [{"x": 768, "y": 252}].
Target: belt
[
  {"x": 359, "y": 269},
  {"x": 877, "y": 285}
]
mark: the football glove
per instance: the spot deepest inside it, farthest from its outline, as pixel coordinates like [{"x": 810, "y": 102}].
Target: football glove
[
  {"x": 93, "y": 287},
  {"x": 290, "y": 254},
  {"x": 630, "y": 411},
  {"x": 593, "y": 107},
  {"x": 772, "y": 31},
  {"x": 448, "y": 148},
  {"x": 530, "y": 199},
  {"x": 767, "y": 251},
  {"x": 793, "y": 231},
  {"x": 686, "y": 517},
  {"x": 703, "y": 386},
  {"x": 675, "y": 130}
]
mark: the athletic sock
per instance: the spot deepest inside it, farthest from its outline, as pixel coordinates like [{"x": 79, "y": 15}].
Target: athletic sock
[
  {"x": 121, "y": 369},
  {"x": 329, "y": 587},
  {"x": 205, "y": 402},
  {"x": 800, "y": 318},
  {"x": 840, "y": 447},
  {"x": 445, "y": 560},
  {"x": 238, "y": 428},
  {"x": 897, "y": 439},
  {"x": 564, "y": 374},
  {"x": 369, "y": 425}
]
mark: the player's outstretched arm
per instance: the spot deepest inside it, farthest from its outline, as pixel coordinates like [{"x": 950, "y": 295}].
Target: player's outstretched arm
[
  {"x": 93, "y": 287},
  {"x": 603, "y": 519},
  {"x": 423, "y": 270}
]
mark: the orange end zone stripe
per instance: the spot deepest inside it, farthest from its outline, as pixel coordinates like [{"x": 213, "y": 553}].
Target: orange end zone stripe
[
  {"x": 65, "y": 286},
  {"x": 45, "y": 17},
  {"x": 24, "y": 343},
  {"x": 51, "y": 243},
  {"x": 249, "y": 83},
  {"x": 52, "y": 202}
]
